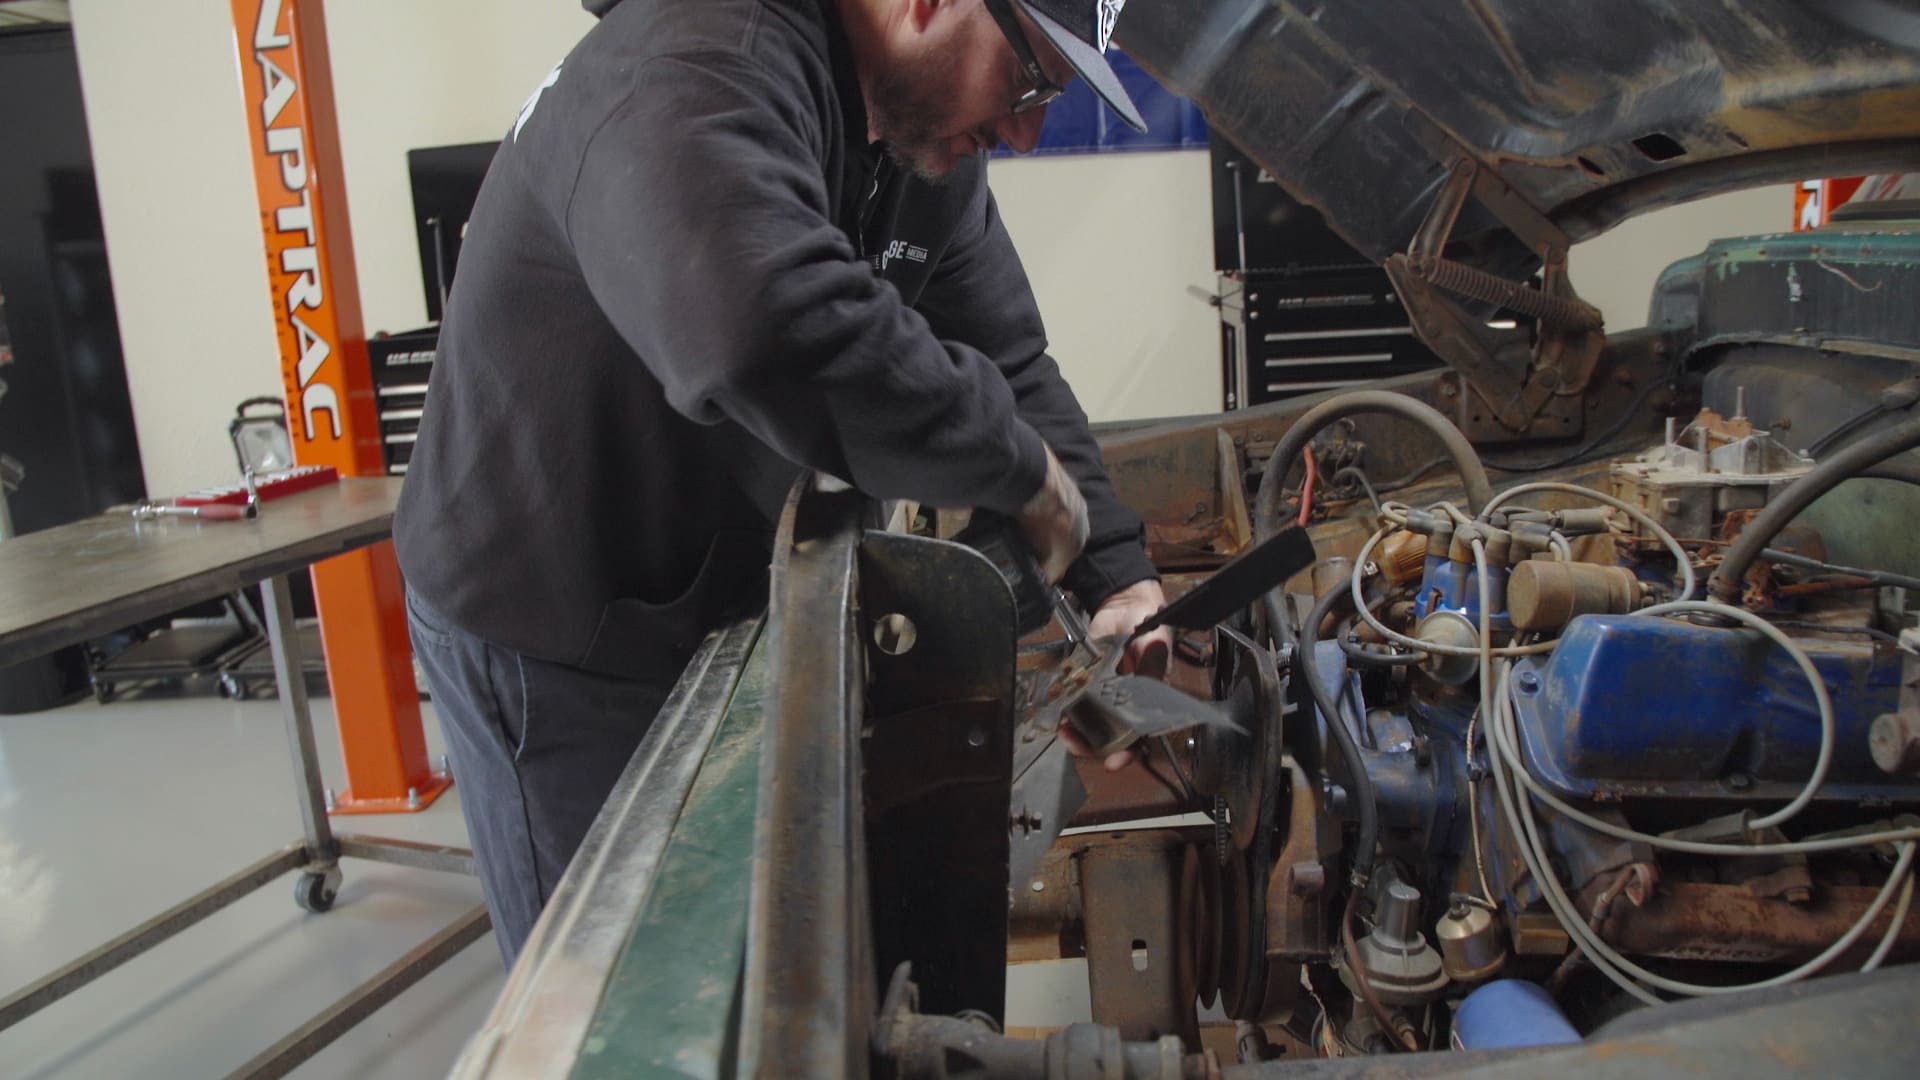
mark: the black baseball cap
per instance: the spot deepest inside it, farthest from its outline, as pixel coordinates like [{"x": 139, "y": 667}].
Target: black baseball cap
[{"x": 1079, "y": 29}]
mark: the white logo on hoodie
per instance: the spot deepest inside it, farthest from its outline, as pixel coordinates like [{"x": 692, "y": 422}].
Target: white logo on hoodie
[
  {"x": 1108, "y": 12},
  {"x": 526, "y": 110}
]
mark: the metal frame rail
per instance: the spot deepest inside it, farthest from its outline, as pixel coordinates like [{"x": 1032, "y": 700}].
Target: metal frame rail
[
  {"x": 808, "y": 994},
  {"x": 544, "y": 1012},
  {"x": 293, "y": 534}
]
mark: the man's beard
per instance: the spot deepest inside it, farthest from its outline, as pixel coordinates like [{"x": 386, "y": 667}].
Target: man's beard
[{"x": 911, "y": 113}]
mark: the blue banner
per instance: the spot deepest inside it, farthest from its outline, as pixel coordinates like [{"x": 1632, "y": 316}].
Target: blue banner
[{"x": 1078, "y": 123}]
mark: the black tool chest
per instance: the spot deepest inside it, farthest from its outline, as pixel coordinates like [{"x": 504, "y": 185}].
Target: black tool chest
[
  {"x": 401, "y": 364},
  {"x": 1300, "y": 310}
]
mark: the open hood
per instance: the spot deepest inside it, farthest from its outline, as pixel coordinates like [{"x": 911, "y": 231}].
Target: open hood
[{"x": 1586, "y": 112}]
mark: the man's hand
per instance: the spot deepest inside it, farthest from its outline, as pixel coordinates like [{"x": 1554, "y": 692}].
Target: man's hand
[
  {"x": 1120, "y": 613},
  {"x": 1054, "y": 521},
  {"x": 1146, "y": 655}
]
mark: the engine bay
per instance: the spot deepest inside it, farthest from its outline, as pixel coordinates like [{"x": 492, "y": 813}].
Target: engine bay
[{"x": 1494, "y": 750}]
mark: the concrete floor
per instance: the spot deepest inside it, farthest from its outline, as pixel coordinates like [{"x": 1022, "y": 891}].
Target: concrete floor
[{"x": 109, "y": 814}]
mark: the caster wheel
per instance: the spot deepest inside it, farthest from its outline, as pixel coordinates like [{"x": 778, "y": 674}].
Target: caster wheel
[
  {"x": 316, "y": 891},
  {"x": 231, "y": 687},
  {"x": 103, "y": 692}
]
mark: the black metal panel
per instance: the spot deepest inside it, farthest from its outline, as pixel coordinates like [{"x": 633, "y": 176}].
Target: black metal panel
[
  {"x": 938, "y": 763},
  {"x": 1259, "y": 228},
  {"x": 446, "y": 181},
  {"x": 66, "y": 416}
]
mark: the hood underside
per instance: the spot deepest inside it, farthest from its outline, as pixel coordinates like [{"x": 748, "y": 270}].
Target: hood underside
[{"x": 1589, "y": 112}]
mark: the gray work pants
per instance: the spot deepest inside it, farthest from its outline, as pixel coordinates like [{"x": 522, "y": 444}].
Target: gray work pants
[{"x": 535, "y": 747}]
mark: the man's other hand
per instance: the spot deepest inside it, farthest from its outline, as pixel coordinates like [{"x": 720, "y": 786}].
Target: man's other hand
[
  {"x": 1120, "y": 613},
  {"x": 1054, "y": 521},
  {"x": 1146, "y": 655}
]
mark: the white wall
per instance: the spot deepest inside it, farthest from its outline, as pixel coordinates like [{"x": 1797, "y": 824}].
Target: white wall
[
  {"x": 427, "y": 73},
  {"x": 182, "y": 224},
  {"x": 1615, "y": 271},
  {"x": 177, "y": 194},
  {"x": 1112, "y": 242}
]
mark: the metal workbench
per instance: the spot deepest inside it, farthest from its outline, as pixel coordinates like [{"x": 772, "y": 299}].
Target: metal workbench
[{"x": 67, "y": 584}]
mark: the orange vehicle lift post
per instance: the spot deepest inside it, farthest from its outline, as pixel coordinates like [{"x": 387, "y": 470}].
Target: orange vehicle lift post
[{"x": 287, "y": 83}]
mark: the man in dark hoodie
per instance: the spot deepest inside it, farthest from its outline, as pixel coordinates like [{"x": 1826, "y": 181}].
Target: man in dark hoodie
[{"x": 724, "y": 242}]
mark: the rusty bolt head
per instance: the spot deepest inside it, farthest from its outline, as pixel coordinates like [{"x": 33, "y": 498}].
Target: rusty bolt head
[{"x": 1306, "y": 879}]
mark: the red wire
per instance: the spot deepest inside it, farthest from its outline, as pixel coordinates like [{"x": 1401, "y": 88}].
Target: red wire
[{"x": 1306, "y": 486}]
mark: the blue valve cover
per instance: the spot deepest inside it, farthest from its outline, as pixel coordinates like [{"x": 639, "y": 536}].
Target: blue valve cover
[{"x": 1658, "y": 708}]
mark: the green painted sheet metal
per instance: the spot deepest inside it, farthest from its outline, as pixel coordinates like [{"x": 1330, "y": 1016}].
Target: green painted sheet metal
[
  {"x": 1841, "y": 289},
  {"x": 669, "y": 1008}
]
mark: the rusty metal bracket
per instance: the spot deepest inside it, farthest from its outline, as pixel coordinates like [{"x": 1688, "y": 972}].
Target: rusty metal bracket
[
  {"x": 1130, "y": 894},
  {"x": 1298, "y": 893},
  {"x": 1689, "y": 920},
  {"x": 910, "y": 1046},
  {"x": 1515, "y": 381}
]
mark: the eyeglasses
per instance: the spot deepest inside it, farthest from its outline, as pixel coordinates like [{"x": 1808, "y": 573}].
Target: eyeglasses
[{"x": 1040, "y": 90}]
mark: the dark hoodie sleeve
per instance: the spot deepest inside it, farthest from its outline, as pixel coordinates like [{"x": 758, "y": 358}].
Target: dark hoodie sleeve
[
  {"x": 702, "y": 226},
  {"x": 980, "y": 294}
]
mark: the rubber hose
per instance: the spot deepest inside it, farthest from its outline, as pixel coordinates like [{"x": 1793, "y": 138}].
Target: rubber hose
[
  {"x": 1897, "y": 470},
  {"x": 1267, "y": 499},
  {"x": 1279, "y": 623},
  {"x": 1728, "y": 581},
  {"x": 1363, "y": 793}
]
